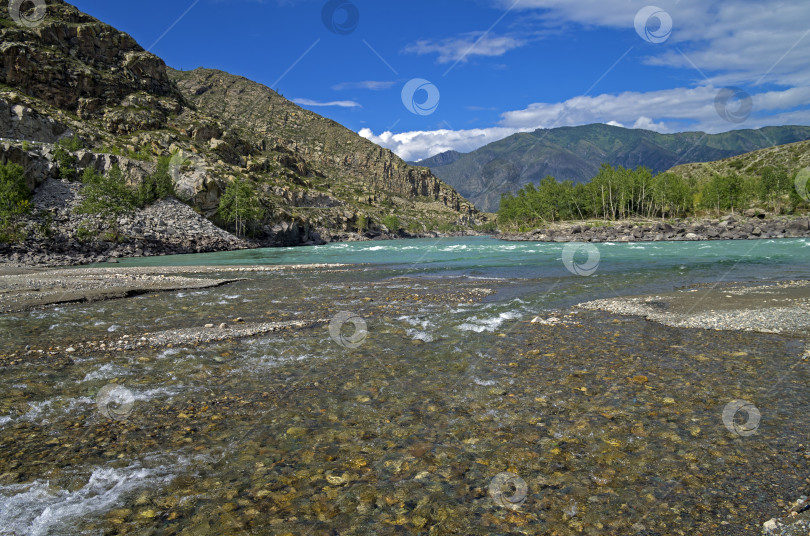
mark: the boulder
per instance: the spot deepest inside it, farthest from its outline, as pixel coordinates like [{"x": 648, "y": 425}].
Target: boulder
[
  {"x": 801, "y": 224},
  {"x": 755, "y": 213},
  {"x": 18, "y": 122}
]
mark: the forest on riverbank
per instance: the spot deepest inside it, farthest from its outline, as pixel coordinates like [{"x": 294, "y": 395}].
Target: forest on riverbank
[{"x": 617, "y": 193}]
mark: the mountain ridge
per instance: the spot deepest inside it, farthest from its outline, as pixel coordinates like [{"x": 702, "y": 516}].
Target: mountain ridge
[
  {"x": 575, "y": 153},
  {"x": 315, "y": 181}
]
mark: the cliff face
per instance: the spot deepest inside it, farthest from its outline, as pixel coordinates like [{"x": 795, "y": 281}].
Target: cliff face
[
  {"x": 71, "y": 74},
  {"x": 258, "y": 109},
  {"x": 78, "y": 64}
]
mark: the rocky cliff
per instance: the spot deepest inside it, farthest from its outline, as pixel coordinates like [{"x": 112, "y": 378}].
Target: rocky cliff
[
  {"x": 68, "y": 74},
  {"x": 320, "y": 142}
]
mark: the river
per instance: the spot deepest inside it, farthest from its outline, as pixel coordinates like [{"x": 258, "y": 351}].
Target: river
[{"x": 425, "y": 402}]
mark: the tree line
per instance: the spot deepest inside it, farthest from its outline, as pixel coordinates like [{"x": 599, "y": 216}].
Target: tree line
[{"x": 617, "y": 193}]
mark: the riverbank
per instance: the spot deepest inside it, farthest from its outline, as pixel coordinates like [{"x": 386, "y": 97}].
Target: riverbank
[
  {"x": 778, "y": 307},
  {"x": 752, "y": 225},
  {"x": 57, "y": 236},
  {"x": 26, "y": 289}
]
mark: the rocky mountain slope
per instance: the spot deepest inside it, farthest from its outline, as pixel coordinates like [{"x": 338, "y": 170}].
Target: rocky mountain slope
[
  {"x": 575, "y": 153},
  {"x": 792, "y": 157},
  {"x": 72, "y": 75}
]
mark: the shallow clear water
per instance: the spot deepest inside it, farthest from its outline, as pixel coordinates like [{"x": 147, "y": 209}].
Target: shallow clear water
[{"x": 615, "y": 425}]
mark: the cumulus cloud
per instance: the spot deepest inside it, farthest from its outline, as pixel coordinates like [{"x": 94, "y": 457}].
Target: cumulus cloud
[
  {"x": 732, "y": 42},
  {"x": 662, "y": 111},
  {"x": 340, "y": 104},
  {"x": 418, "y": 145}
]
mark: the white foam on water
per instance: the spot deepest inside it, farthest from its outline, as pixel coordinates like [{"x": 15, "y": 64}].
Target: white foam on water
[
  {"x": 416, "y": 321},
  {"x": 42, "y": 509},
  {"x": 41, "y": 411},
  {"x": 160, "y": 392},
  {"x": 484, "y": 383},
  {"x": 36, "y": 409},
  {"x": 169, "y": 352},
  {"x": 106, "y": 372},
  {"x": 113, "y": 328},
  {"x": 5, "y": 420},
  {"x": 375, "y": 248},
  {"x": 480, "y": 325},
  {"x": 418, "y": 335},
  {"x": 272, "y": 361}
]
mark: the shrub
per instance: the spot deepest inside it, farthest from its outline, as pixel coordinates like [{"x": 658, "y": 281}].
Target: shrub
[
  {"x": 107, "y": 197},
  {"x": 391, "y": 222},
  {"x": 156, "y": 186},
  {"x": 71, "y": 144},
  {"x": 66, "y": 162},
  {"x": 15, "y": 201}
]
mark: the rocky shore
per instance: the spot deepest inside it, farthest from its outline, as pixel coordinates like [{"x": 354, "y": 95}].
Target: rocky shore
[
  {"x": 57, "y": 236},
  {"x": 751, "y": 225}
]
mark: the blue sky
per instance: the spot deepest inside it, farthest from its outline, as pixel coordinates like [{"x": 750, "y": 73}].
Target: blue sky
[{"x": 421, "y": 77}]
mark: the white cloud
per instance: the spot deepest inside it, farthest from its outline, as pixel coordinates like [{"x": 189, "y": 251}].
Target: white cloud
[
  {"x": 341, "y": 104},
  {"x": 372, "y": 85},
  {"x": 662, "y": 111},
  {"x": 463, "y": 47},
  {"x": 732, "y": 42},
  {"x": 417, "y": 145}
]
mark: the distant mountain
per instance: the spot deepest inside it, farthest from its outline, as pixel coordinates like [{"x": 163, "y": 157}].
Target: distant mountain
[
  {"x": 575, "y": 153},
  {"x": 441, "y": 159}
]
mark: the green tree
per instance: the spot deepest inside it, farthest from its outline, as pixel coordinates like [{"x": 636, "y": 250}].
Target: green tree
[
  {"x": 106, "y": 196},
  {"x": 672, "y": 194},
  {"x": 722, "y": 192},
  {"x": 240, "y": 205},
  {"x": 65, "y": 160},
  {"x": 156, "y": 186},
  {"x": 15, "y": 201},
  {"x": 775, "y": 184}
]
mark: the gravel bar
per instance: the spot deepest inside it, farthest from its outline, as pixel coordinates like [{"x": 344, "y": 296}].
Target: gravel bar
[
  {"x": 25, "y": 289},
  {"x": 779, "y": 307}
]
